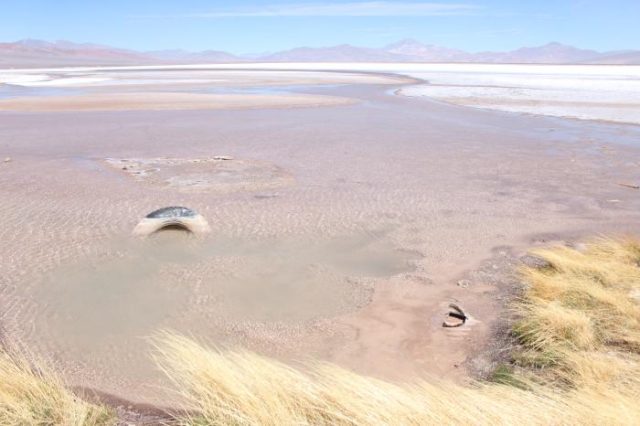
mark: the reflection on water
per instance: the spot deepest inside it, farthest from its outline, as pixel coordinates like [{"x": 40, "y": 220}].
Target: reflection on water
[
  {"x": 149, "y": 283},
  {"x": 15, "y": 91},
  {"x": 261, "y": 90}
]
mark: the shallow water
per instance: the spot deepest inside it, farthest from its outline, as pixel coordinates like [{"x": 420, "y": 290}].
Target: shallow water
[
  {"x": 143, "y": 284},
  {"x": 265, "y": 89},
  {"x": 15, "y": 91}
]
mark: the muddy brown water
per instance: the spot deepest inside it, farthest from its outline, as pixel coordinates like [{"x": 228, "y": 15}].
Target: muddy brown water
[
  {"x": 99, "y": 310},
  {"x": 280, "y": 280}
]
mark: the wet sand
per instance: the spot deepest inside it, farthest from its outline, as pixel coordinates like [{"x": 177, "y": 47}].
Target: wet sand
[
  {"x": 163, "y": 101},
  {"x": 388, "y": 203}
]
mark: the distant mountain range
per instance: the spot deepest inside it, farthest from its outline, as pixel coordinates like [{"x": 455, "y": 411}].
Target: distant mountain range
[{"x": 33, "y": 53}]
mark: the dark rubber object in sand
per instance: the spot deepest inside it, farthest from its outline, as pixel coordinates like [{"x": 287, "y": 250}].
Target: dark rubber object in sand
[
  {"x": 458, "y": 316},
  {"x": 174, "y": 211},
  {"x": 171, "y": 217}
]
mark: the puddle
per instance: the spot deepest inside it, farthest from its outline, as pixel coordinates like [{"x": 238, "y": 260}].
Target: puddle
[{"x": 174, "y": 278}]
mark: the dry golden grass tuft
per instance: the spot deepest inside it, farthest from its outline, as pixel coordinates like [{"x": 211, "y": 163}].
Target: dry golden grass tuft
[
  {"x": 32, "y": 395},
  {"x": 584, "y": 307},
  {"x": 578, "y": 363}
]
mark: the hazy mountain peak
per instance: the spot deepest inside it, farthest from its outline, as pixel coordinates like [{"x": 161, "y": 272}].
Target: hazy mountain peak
[
  {"x": 550, "y": 53},
  {"x": 31, "y": 52},
  {"x": 555, "y": 44},
  {"x": 31, "y": 42},
  {"x": 418, "y": 51},
  {"x": 404, "y": 42}
]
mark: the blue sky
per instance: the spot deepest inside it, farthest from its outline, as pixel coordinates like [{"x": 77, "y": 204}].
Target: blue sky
[{"x": 268, "y": 25}]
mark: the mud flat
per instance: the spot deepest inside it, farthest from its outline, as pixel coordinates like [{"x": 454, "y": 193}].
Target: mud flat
[{"x": 340, "y": 233}]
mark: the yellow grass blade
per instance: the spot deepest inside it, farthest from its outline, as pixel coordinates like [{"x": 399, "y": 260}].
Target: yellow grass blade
[{"x": 30, "y": 394}]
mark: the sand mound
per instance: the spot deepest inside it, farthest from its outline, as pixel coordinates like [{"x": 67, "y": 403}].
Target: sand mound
[{"x": 220, "y": 174}]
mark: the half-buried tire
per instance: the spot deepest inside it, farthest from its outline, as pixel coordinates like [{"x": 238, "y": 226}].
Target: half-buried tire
[{"x": 172, "y": 217}]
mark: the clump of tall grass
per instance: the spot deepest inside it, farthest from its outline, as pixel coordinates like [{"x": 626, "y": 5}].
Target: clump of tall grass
[
  {"x": 31, "y": 394},
  {"x": 242, "y": 388},
  {"x": 578, "y": 364},
  {"x": 580, "y": 318}
]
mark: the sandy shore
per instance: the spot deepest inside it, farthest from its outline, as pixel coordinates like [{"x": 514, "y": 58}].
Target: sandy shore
[
  {"x": 388, "y": 203},
  {"x": 151, "y": 101}
]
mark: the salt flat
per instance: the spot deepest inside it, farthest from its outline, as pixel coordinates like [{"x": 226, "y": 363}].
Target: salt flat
[
  {"x": 595, "y": 92},
  {"x": 585, "y": 92}
]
